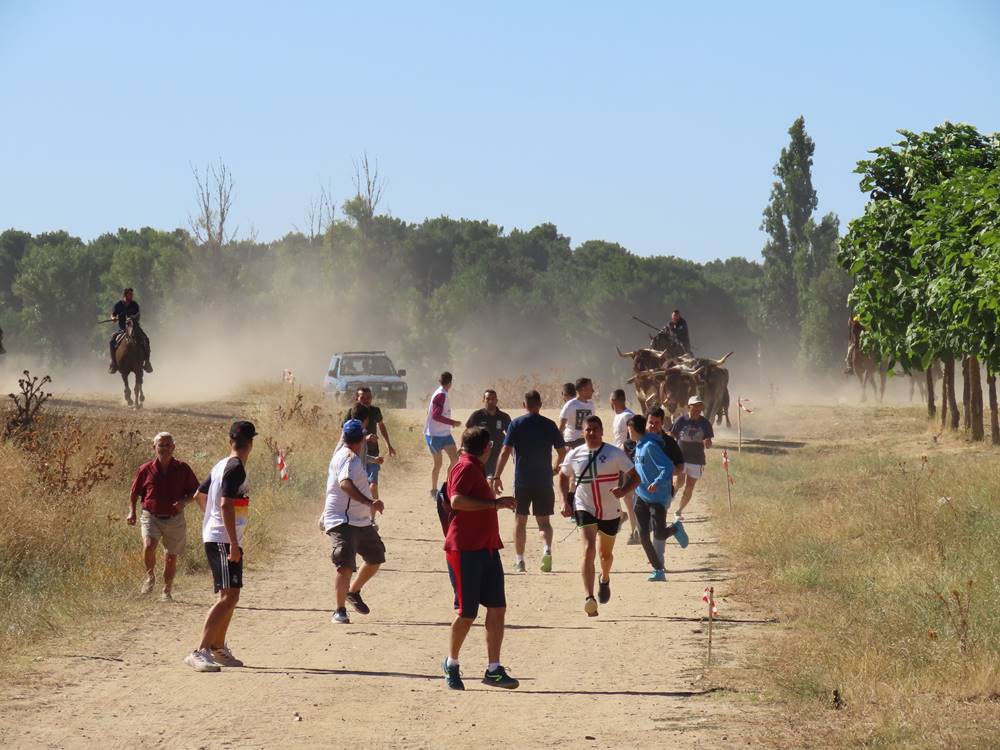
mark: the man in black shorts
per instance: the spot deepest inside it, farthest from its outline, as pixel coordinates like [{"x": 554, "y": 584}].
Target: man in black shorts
[
  {"x": 532, "y": 437},
  {"x": 472, "y": 547},
  {"x": 225, "y": 498},
  {"x": 590, "y": 479}
]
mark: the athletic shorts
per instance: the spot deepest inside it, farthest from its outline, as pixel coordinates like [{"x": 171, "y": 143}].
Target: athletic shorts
[
  {"x": 438, "y": 443},
  {"x": 607, "y": 526},
  {"x": 477, "y": 578},
  {"x": 225, "y": 574},
  {"x": 372, "y": 471},
  {"x": 694, "y": 470},
  {"x": 173, "y": 531},
  {"x": 541, "y": 501},
  {"x": 348, "y": 542}
]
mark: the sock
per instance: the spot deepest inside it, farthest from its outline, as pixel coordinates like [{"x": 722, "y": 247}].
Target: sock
[
  {"x": 518, "y": 558},
  {"x": 493, "y": 666},
  {"x": 546, "y": 550},
  {"x": 452, "y": 662}
]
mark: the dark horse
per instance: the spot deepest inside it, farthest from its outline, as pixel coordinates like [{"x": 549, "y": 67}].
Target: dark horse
[{"x": 129, "y": 356}]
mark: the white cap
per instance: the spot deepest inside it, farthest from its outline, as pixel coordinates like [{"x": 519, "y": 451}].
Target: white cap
[{"x": 695, "y": 400}]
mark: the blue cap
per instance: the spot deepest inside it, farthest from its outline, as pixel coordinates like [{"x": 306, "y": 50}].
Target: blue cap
[{"x": 353, "y": 431}]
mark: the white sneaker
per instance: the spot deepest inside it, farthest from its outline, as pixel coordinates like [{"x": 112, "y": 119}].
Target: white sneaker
[
  {"x": 224, "y": 657},
  {"x": 200, "y": 660},
  {"x": 147, "y": 585},
  {"x": 166, "y": 596}
]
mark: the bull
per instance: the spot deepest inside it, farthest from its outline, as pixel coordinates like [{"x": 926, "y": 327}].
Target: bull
[{"x": 669, "y": 387}]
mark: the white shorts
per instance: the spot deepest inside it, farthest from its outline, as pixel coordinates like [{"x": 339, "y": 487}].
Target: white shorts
[{"x": 694, "y": 470}]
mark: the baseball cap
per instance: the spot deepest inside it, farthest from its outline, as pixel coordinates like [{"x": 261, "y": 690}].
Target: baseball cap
[
  {"x": 242, "y": 429},
  {"x": 353, "y": 431},
  {"x": 695, "y": 400}
]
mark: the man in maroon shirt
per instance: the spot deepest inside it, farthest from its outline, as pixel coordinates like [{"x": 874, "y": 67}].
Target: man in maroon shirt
[
  {"x": 165, "y": 485},
  {"x": 472, "y": 547}
]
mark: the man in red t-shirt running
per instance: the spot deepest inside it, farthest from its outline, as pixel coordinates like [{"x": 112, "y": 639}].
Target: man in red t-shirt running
[
  {"x": 165, "y": 485},
  {"x": 472, "y": 547}
]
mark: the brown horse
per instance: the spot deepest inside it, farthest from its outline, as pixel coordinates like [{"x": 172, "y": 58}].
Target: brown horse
[{"x": 129, "y": 357}]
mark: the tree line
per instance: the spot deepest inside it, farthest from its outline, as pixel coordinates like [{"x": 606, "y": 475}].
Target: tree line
[
  {"x": 443, "y": 288},
  {"x": 926, "y": 260}
]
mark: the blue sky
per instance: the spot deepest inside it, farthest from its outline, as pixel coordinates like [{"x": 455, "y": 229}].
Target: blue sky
[{"x": 655, "y": 125}]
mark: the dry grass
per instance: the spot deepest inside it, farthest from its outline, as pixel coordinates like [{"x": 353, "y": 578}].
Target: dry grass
[
  {"x": 876, "y": 543},
  {"x": 65, "y": 550}
]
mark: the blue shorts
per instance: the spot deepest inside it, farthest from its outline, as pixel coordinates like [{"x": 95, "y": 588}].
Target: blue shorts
[
  {"x": 438, "y": 443},
  {"x": 372, "y": 471}
]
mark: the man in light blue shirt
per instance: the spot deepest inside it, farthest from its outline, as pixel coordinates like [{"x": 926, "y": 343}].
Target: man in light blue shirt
[{"x": 653, "y": 494}]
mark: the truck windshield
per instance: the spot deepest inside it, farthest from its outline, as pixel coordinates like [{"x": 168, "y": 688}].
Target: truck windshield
[{"x": 366, "y": 365}]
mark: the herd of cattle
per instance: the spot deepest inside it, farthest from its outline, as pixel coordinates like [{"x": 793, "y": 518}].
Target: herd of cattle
[{"x": 665, "y": 375}]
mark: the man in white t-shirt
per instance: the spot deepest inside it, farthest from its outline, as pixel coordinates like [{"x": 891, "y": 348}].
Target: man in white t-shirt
[
  {"x": 623, "y": 441},
  {"x": 591, "y": 481},
  {"x": 575, "y": 412},
  {"x": 225, "y": 499},
  {"x": 347, "y": 520},
  {"x": 437, "y": 430}
]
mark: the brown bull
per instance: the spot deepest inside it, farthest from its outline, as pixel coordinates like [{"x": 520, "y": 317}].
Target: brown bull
[{"x": 669, "y": 387}]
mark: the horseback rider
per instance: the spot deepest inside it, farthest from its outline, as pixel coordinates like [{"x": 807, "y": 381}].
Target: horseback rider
[
  {"x": 127, "y": 308},
  {"x": 679, "y": 327}
]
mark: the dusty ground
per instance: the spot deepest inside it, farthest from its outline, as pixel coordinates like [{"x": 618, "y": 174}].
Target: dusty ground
[{"x": 631, "y": 677}]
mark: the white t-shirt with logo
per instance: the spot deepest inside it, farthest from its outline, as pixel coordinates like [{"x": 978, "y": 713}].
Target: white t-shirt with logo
[
  {"x": 593, "y": 494},
  {"x": 575, "y": 412},
  {"x": 340, "y": 508}
]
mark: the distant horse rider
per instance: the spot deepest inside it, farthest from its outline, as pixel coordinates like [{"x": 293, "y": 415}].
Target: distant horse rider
[
  {"x": 853, "y": 342},
  {"x": 124, "y": 309},
  {"x": 679, "y": 327}
]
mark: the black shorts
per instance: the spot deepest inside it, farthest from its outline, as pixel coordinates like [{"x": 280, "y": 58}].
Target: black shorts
[
  {"x": 571, "y": 444},
  {"x": 225, "y": 574},
  {"x": 348, "y": 542},
  {"x": 608, "y": 527},
  {"x": 477, "y": 578},
  {"x": 540, "y": 500}
]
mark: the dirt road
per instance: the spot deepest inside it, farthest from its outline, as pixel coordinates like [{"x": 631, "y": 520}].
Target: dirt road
[{"x": 628, "y": 678}]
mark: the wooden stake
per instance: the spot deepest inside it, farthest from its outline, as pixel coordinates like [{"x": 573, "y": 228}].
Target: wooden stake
[
  {"x": 739, "y": 424},
  {"x": 711, "y": 620}
]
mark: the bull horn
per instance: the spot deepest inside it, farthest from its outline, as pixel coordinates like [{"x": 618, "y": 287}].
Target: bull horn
[
  {"x": 626, "y": 355},
  {"x": 720, "y": 362},
  {"x": 692, "y": 373}
]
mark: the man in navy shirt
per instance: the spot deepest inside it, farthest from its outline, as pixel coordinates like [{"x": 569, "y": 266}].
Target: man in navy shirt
[
  {"x": 124, "y": 309},
  {"x": 532, "y": 437}
]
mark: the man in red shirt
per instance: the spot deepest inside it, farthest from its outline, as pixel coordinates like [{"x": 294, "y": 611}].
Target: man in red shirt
[
  {"x": 472, "y": 546},
  {"x": 165, "y": 485}
]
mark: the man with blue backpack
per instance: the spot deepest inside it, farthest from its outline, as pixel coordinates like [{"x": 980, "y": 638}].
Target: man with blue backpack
[{"x": 653, "y": 494}]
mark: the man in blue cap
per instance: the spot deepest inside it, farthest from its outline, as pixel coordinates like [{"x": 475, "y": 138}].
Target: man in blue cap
[{"x": 347, "y": 520}]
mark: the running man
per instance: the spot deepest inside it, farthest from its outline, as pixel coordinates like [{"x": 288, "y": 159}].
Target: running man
[
  {"x": 472, "y": 547},
  {"x": 347, "y": 520},
  {"x": 622, "y": 440},
  {"x": 493, "y": 421},
  {"x": 654, "y": 426},
  {"x": 437, "y": 430},
  {"x": 532, "y": 438},
  {"x": 593, "y": 497},
  {"x": 694, "y": 433},
  {"x": 653, "y": 495},
  {"x": 575, "y": 412},
  {"x": 225, "y": 498},
  {"x": 374, "y": 425},
  {"x": 165, "y": 485}
]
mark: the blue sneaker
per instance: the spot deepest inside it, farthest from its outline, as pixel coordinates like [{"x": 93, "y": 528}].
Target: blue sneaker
[
  {"x": 680, "y": 534},
  {"x": 452, "y": 676},
  {"x": 658, "y": 575}
]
